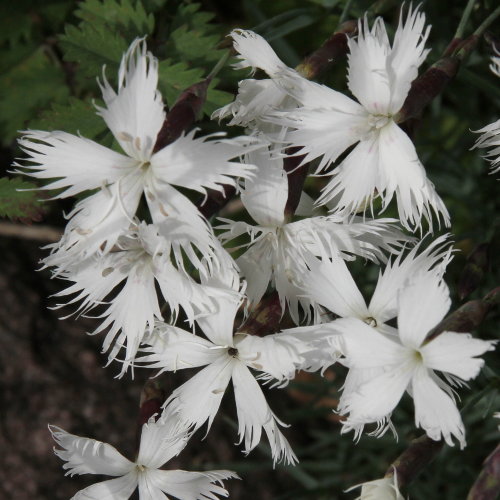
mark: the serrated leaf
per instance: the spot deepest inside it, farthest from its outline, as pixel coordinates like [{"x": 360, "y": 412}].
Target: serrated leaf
[
  {"x": 190, "y": 14},
  {"x": 74, "y": 116},
  {"x": 92, "y": 48},
  {"x": 27, "y": 88},
  {"x": 104, "y": 34},
  {"x": 195, "y": 44},
  {"x": 192, "y": 37},
  {"x": 18, "y": 204},
  {"x": 174, "y": 78},
  {"x": 126, "y": 17}
]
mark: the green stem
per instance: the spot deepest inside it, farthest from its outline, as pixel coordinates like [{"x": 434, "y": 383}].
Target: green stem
[
  {"x": 486, "y": 23},
  {"x": 220, "y": 64},
  {"x": 465, "y": 18},
  {"x": 345, "y": 11}
]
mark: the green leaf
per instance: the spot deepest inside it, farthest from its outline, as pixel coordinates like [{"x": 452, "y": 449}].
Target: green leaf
[
  {"x": 192, "y": 37},
  {"x": 174, "y": 78},
  {"x": 153, "y": 5},
  {"x": 93, "y": 47},
  {"x": 128, "y": 18},
  {"x": 19, "y": 205},
  {"x": 27, "y": 88},
  {"x": 25, "y": 20},
  {"x": 104, "y": 34},
  {"x": 195, "y": 44},
  {"x": 74, "y": 116}
]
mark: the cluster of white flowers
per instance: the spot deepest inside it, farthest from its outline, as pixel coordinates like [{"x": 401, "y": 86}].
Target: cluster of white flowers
[{"x": 139, "y": 273}]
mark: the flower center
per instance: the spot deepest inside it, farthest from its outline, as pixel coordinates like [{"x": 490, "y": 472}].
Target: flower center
[
  {"x": 233, "y": 352},
  {"x": 140, "y": 468},
  {"x": 379, "y": 121},
  {"x": 417, "y": 355},
  {"x": 371, "y": 322},
  {"x": 144, "y": 165}
]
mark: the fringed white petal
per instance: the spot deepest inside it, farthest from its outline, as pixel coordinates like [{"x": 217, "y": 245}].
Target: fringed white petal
[
  {"x": 435, "y": 411},
  {"x": 321, "y": 345},
  {"x": 161, "y": 441},
  {"x": 338, "y": 236},
  {"x": 114, "y": 489},
  {"x": 171, "y": 349},
  {"x": 407, "y": 54},
  {"x": 202, "y": 164},
  {"x": 254, "y": 415},
  {"x": 135, "y": 114},
  {"x": 423, "y": 303},
  {"x": 326, "y": 130},
  {"x": 77, "y": 163},
  {"x": 180, "y": 221},
  {"x": 99, "y": 220},
  {"x": 383, "y": 305},
  {"x": 258, "y": 276},
  {"x": 364, "y": 347},
  {"x": 355, "y": 180},
  {"x": 495, "y": 65},
  {"x": 254, "y": 52},
  {"x": 88, "y": 456},
  {"x": 490, "y": 138},
  {"x": 402, "y": 173},
  {"x": 131, "y": 314},
  {"x": 455, "y": 353},
  {"x": 265, "y": 195},
  {"x": 218, "y": 325},
  {"x": 185, "y": 485},
  {"x": 254, "y": 101},
  {"x": 374, "y": 400},
  {"x": 197, "y": 400},
  {"x": 368, "y": 77},
  {"x": 278, "y": 355},
  {"x": 330, "y": 284}
]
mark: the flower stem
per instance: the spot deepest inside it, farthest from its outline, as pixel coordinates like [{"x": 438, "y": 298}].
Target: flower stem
[
  {"x": 345, "y": 12},
  {"x": 220, "y": 64},
  {"x": 417, "y": 456},
  {"x": 465, "y": 18},
  {"x": 487, "y": 22}
]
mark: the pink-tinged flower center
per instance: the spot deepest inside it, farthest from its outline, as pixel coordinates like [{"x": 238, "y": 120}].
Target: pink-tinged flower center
[{"x": 378, "y": 121}]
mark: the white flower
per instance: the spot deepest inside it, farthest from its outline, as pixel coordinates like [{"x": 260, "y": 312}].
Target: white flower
[
  {"x": 330, "y": 283},
  {"x": 490, "y": 137},
  {"x": 160, "y": 442},
  {"x": 140, "y": 258},
  {"x": 384, "y": 161},
  {"x": 135, "y": 115},
  {"x": 256, "y": 98},
  {"x": 408, "y": 362},
  {"x": 227, "y": 357},
  {"x": 380, "y": 489},
  {"x": 278, "y": 249}
]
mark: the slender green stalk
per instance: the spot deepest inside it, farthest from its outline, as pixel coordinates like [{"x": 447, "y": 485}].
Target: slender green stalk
[
  {"x": 487, "y": 22},
  {"x": 465, "y": 18},
  {"x": 220, "y": 64},
  {"x": 345, "y": 11}
]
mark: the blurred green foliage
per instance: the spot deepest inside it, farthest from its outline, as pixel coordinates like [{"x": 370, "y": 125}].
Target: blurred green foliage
[{"x": 52, "y": 51}]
